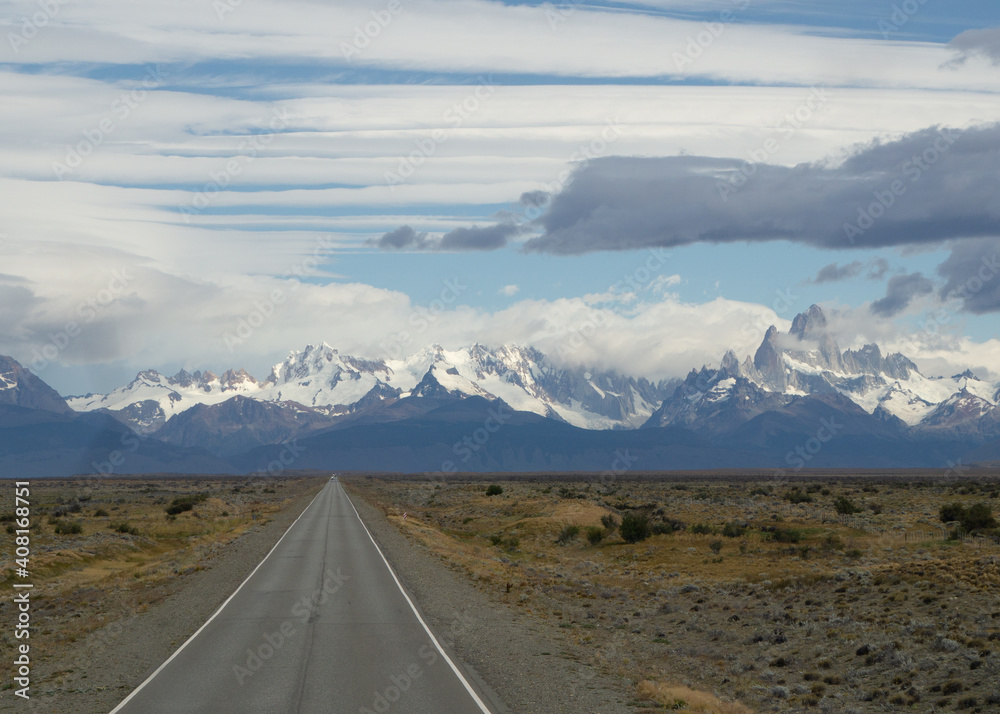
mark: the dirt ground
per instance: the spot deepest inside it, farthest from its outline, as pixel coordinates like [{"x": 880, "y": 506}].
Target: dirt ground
[
  {"x": 748, "y": 596},
  {"x": 112, "y": 601}
]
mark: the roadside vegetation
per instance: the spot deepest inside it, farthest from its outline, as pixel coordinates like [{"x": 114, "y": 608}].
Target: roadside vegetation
[{"x": 847, "y": 594}]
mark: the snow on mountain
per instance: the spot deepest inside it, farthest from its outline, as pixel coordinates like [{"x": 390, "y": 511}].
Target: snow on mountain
[
  {"x": 321, "y": 378},
  {"x": 807, "y": 361},
  {"x": 19, "y": 387},
  {"x": 804, "y": 361},
  {"x": 149, "y": 400}
]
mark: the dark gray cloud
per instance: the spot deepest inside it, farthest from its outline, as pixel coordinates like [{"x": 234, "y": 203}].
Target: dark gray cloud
[
  {"x": 972, "y": 273},
  {"x": 474, "y": 238},
  {"x": 979, "y": 42},
  {"x": 927, "y": 187},
  {"x": 878, "y": 268},
  {"x": 403, "y": 238},
  {"x": 900, "y": 293},
  {"x": 834, "y": 272}
]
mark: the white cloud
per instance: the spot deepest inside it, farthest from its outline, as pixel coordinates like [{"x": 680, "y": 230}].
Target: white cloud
[
  {"x": 475, "y": 36},
  {"x": 509, "y": 290}
]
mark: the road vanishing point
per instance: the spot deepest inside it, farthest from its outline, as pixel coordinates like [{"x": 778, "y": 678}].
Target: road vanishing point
[{"x": 321, "y": 625}]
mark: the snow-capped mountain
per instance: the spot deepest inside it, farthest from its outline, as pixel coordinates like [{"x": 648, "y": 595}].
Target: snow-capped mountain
[
  {"x": 334, "y": 384},
  {"x": 19, "y": 387},
  {"x": 149, "y": 400},
  {"x": 804, "y": 362},
  {"x": 808, "y": 361}
]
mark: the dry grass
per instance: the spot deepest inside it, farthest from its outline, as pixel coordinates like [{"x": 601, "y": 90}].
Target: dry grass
[
  {"x": 130, "y": 554},
  {"x": 769, "y": 622},
  {"x": 686, "y": 699}
]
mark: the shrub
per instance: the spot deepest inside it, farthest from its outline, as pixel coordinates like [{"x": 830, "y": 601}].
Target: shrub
[
  {"x": 952, "y": 512},
  {"x": 568, "y": 533},
  {"x": 667, "y": 526},
  {"x": 68, "y": 528},
  {"x": 951, "y": 687},
  {"x": 797, "y": 495},
  {"x": 634, "y": 528},
  {"x": 702, "y": 529},
  {"x": 786, "y": 535},
  {"x": 979, "y": 517},
  {"x": 845, "y": 507},
  {"x": 494, "y": 489},
  {"x": 595, "y": 535},
  {"x": 100, "y": 513},
  {"x": 609, "y": 521},
  {"x": 975, "y": 518},
  {"x": 716, "y": 546},
  {"x": 733, "y": 530},
  {"x": 185, "y": 503},
  {"x": 123, "y": 528}
]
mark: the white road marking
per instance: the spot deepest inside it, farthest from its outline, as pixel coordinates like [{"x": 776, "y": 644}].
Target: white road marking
[
  {"x": 216, "y": 613},
  {"x": 461, "y": 677}
]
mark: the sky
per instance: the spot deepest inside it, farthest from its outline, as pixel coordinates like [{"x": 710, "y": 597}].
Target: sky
[{"x": 636, "y": 186}]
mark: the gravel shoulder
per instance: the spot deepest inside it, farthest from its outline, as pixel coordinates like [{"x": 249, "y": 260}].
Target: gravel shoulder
[
  {"x": 528, "y": 663},
  {"x": 101, "y": 669},
  {"x": 524, "y": 665}
]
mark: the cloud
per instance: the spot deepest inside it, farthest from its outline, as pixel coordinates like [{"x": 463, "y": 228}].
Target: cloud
[
  {"x": 877, "y": 268},
  {"x": 509, "y": 290},
  {"x": 902, "y": 290},
  {"x": 476, "y": 238},
  {"x": 436, "y": 36},
  {"x": 927, "y": 187},
  {"x": 459, "y": 239},
  {"x": 402, "y": 238},
  {"x": 985, "y": 43},
  {"x": 972, "y": 274},
  {"x": 834, "y": 272}
]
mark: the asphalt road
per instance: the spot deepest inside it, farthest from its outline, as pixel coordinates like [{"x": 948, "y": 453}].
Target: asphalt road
[{"x": 322, "y": 625}]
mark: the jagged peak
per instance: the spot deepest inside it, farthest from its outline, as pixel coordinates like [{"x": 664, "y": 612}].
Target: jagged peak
[{"x": 811, "y": 321}]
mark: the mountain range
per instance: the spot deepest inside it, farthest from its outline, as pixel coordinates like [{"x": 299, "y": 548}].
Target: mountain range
[{"x": 799, "y": 401}]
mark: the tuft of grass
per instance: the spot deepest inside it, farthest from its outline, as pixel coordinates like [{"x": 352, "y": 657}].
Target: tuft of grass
[
  {"x": 567, "y": 534},
  {"x": 68, "y": 527},
  {"x": 681, "y": 698},
  {"x": 797, "y": 495},
  {"x": 124, "y": 528}
]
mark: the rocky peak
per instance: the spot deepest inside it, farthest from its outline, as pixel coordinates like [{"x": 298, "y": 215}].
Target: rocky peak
[
  {"x": 810, "y": 324},
  {"x": 19, "y": 387}
]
